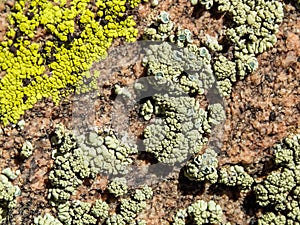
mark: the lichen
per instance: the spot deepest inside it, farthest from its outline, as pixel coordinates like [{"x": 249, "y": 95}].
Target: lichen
[
  {"x": 118, "y": 186},
  {"x": 178, "y": 129},
  {"x": 203, "y": 167},
  {"x": 280, "y": 190},
  {"x": 130, "y": 208},
  {"x": 106, "y": 154},
  {"x": 78, "y": 212},
  {"x": 183, "y": 67},
  {"x": 8, "y": 193},
  {"x": 48, "y": 68},
  {"x": 47, "y": 219},
  {"x": 199, "y": 213},
  {"x": 69, "y": 168}
]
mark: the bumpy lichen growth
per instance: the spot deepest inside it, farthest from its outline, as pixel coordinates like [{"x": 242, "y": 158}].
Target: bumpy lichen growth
[
  {"x": 8, "y": 193},
  {"x": 200, "y": 212},
  {"x": 235, "y": 176},
  {"x": 130, "y": 208},
  {"x": 78, "y": 212},
  {"x": 280, "y": 190},
  {"x": 253, "y": 31},
  {"x": 203, "y": 167},
  {"x": 47, "y": 219},
  {"x": 256, "y": 25},
  {"x": 179, "y": 129},
  {"x": 26, "y": 150},
  {"x": 44, "y": 69},
  {"x": 118, "y": 187},
  {"x": 69, "y": 169},
  {"x": 206, "y": 3},
  {"x": 183, "y": 67},
  {"x": 224, "y": 70},
  {"x": 106, "y": 154}
]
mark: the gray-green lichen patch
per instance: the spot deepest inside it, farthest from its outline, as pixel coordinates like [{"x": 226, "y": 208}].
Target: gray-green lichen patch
[
  {"x": 8, "y": 193},
  {"x": 106, "y": 154},
  {"x": 179, "y": 129},
  {"x": 254, "y": 31},
  {"x": 77, "y": 212},
  {"x": 47, "y": 219},
  {"x": 26, "y": 150},
  {"x": 130, "y": 208},
  {"x": 118, "y": 186},
  {"x": 206, "y": 3},
  {"x": 256, "y": 23},
  {"x": 187, "y": 68},
  {"x": 280, "y": 190},
  {"x": 225, "y": 71},
  {"x": 69, "y": 168},
  {"x": 203, "y": 167},
  {"x": 163, "y": 29},
  {"x": 199, "y": 213},
  {"x": 235, "y": 176}
]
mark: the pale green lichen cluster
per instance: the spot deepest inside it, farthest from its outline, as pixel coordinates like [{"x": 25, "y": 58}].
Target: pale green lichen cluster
[
  {"x": 82, "y": 213},
  {"x": 179, "y": 129},
  {"x": 77, "y": 36},
  {"x": 163, "y": 29},
  {"x": 199, "y": 213},
  {"x": 8, "y": 193},
  {"x": 106, "y": 154},
  {"x": 204, "y": 168},
  {"x": 235, "y": 176},
  {"x": 47, "y": 219},
  {"x": 253, "y": 31},
  {"x": 118, "y": 186},
  {"x": 26, "y": 150},
  {"x": 130, "y": 208},
  {"x": 206, "y": 3},
  {"x": 70, "y": 168},
  {"x": 225, "y": 72},
  {"x": 280, "y": 190},
  {"x": 185, "y": 68}
]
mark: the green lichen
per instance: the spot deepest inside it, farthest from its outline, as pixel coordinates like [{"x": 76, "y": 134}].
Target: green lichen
[
  {"x": 8, "y": 193},
  {"x": 235, "y": 176},
  {"x": 206, "y": 3},
  {"x": 26, "y": 150},
  {"x": 82, "y": 213},
  {"x": 200, "y": 212},
  {"x": 163, "y": 29},
  {"x": 178, "y": 129},
  {"x": 69, "y": 168},
  {"x": 130, "y": 208},
  {"x": 256, "y": 25},
  {"x": 203, "y": 167},
  {"x": 224, "y": 69},
  {"x": 47, "y": 219},
  {"x": 216, "y": 114},
  {"x": 48, "y": 68},
  {"x": 118, "y": 186},
  {"x": 280, "y": 190},
  {"x": 106, "y": 154},
  {"x": 100, "y": 209},
  {"x": 212, "y": 43},
  {"x": 186, "y": 68}
]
